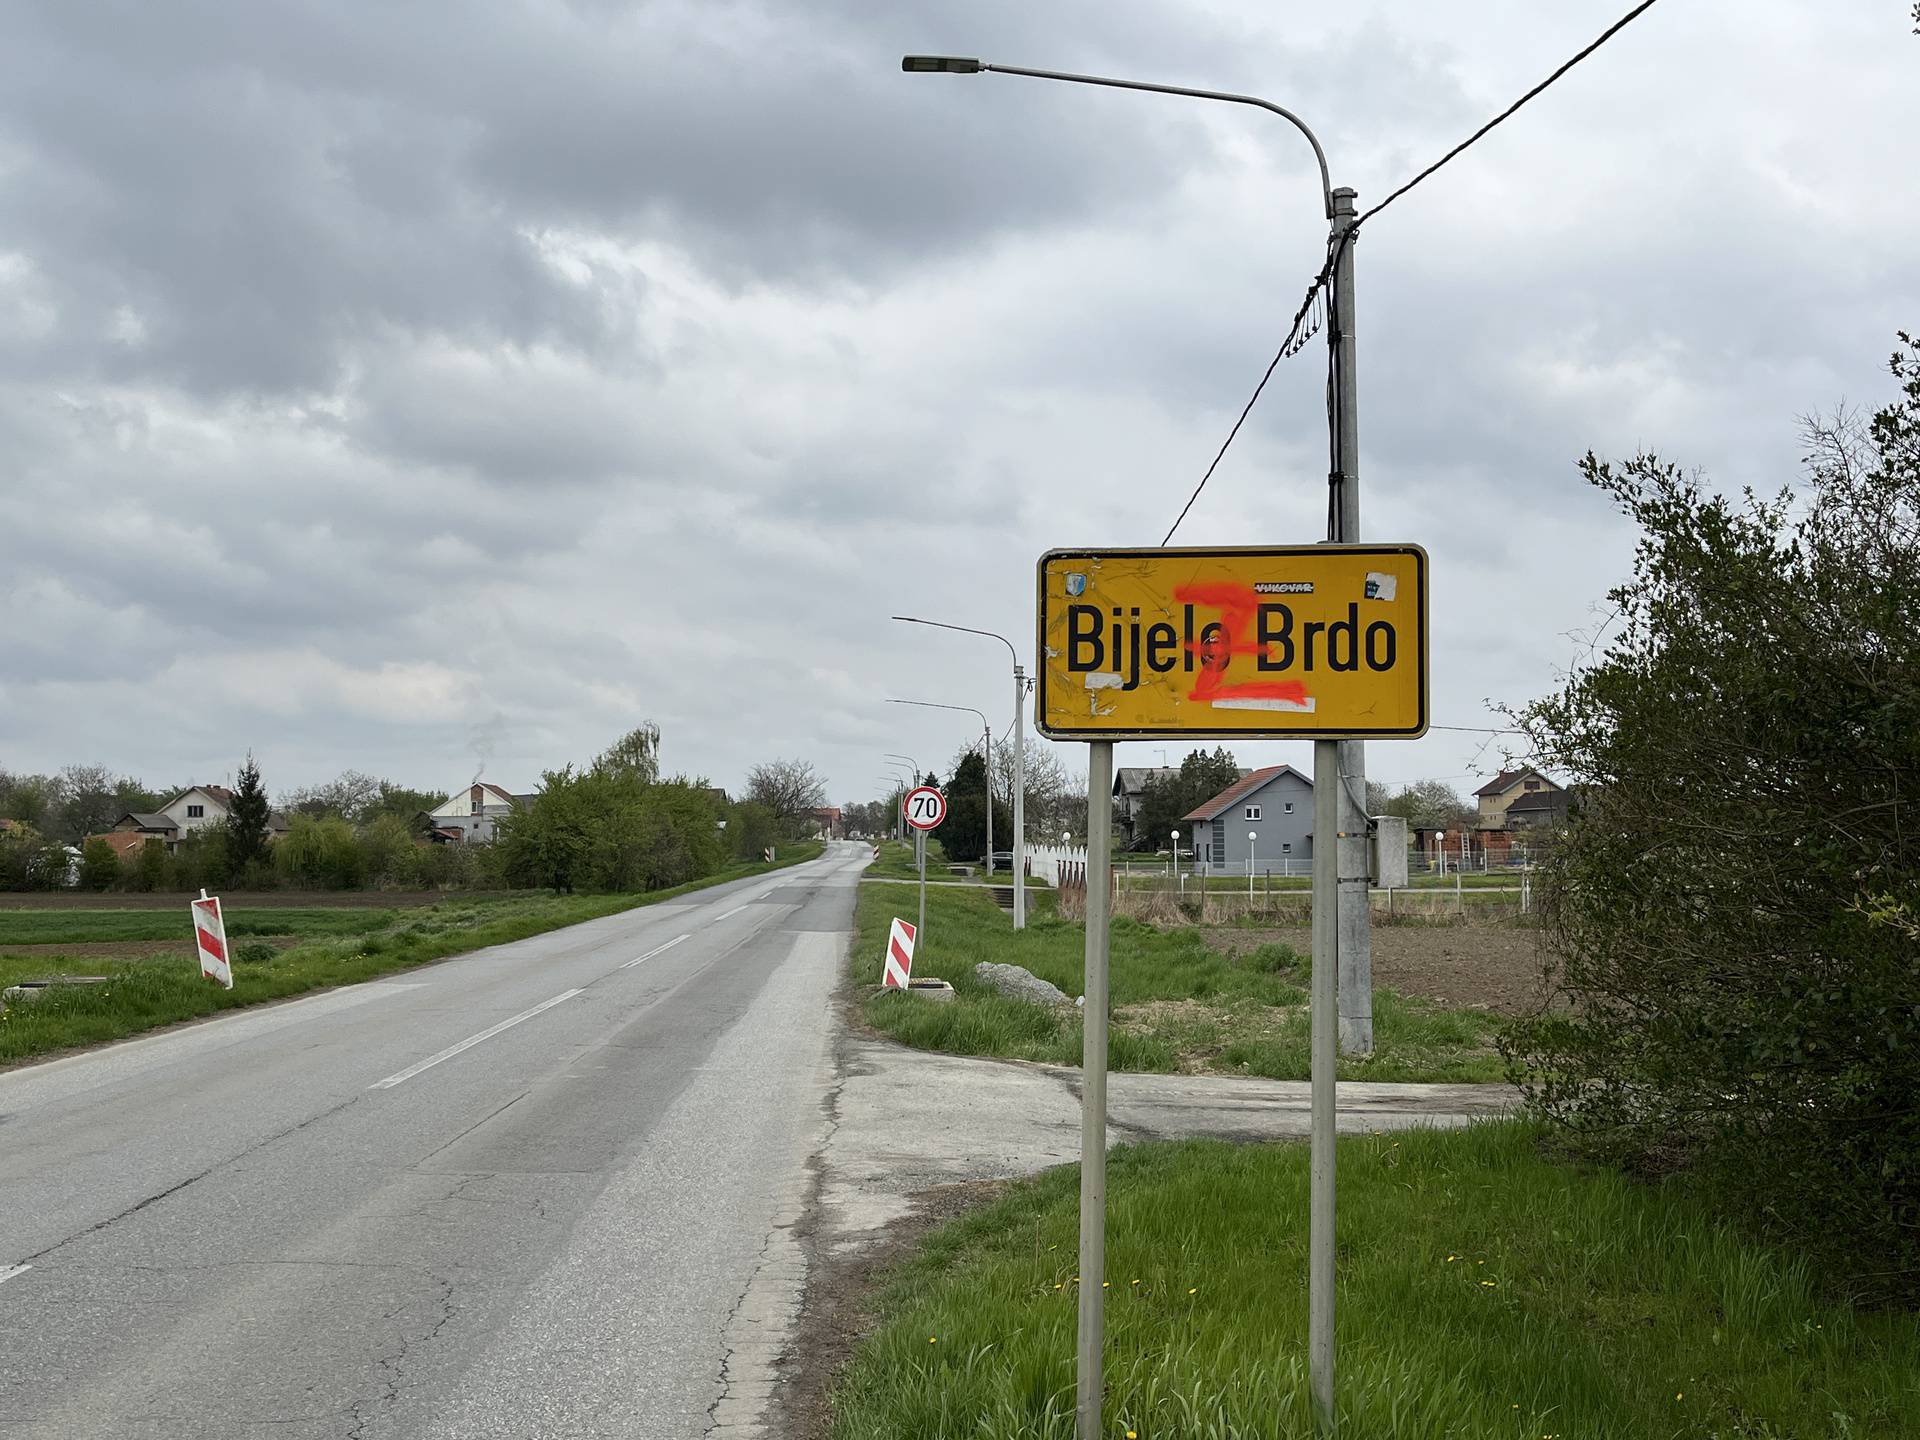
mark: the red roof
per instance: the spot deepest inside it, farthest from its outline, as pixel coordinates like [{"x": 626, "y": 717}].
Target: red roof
[{"x": 1244, "y": 786}]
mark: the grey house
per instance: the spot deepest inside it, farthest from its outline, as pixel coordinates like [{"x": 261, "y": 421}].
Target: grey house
[{"x": 1274, "y": 805}]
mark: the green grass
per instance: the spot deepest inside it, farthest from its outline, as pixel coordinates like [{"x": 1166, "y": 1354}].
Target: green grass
[
  {"x": 81, "y": 927},
  {"x": 1178, "y": 1003},
  {"x": 1485, "y": 1293},
  {"x": 896, "y": 861},
  {"x": 163, "y": 989}
]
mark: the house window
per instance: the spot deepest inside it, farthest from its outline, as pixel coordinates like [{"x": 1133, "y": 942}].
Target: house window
[
  {"x": 1533, "y": 784},
  {"x": 195, "y": 812},
  {"x": 1286, "y": 807},
  {"x": 1286, "y": 848},
  {"x": 1253, "y": 812}
]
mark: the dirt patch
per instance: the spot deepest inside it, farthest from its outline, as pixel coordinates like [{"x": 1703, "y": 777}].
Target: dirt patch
[{"x": 1488, "y": 967}]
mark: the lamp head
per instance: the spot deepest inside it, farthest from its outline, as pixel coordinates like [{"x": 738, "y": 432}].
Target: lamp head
[{"x": 940, "y": 65}]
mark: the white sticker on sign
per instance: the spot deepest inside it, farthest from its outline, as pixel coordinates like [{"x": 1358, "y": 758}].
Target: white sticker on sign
[{"x": 1381, "y": 587}]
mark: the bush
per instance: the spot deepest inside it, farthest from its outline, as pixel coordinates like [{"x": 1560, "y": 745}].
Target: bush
[
  {"x": 99, "y": 865},
  {"x": 320, "y": 854},
  {"x": 254, "y": 952},
  {"x": 1272, "y": 959},
  {"x": 1733, "y": 904}
]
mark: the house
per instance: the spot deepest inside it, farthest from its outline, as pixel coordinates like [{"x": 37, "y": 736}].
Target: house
[
  {"x": 1130, "y": 792},
  {"x": 1541, "y": 809},
  {"x": 472, "y": 816},
  {"x": 195, "y": 808},
  {"x": 1499, "y": 794},
  {"x": 133, "y": 831},
  {"x": 128, "y": 843},
  {"x": 1267, "y": 815},
  {"x": 825, "y": 820}
]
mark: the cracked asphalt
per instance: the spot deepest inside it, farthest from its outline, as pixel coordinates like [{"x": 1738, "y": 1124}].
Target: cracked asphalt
[{"x": 581, "y": 1225}]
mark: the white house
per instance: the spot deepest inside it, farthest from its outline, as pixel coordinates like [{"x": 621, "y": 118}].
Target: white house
[
  {"x": 472, "y": 816},
  {"x": 198, "y": 807}
]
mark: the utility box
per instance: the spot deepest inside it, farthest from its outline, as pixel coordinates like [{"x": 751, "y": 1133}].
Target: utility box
[{"x": 1387, "y": 852}]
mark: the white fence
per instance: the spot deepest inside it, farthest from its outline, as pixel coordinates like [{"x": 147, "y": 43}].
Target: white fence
[{"x": 1044, "y": 861}]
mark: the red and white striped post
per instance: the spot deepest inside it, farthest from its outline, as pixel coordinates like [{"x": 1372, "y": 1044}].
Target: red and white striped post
[
  {"x": 900, "y": 955},
  {"x": 210, "y": 938}
]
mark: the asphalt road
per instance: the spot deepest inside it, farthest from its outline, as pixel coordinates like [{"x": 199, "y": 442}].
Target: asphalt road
[{"x": 528, "y": 1192}]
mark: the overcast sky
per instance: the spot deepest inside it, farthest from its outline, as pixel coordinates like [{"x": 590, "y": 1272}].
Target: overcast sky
[{"x": 403, "y": 386}]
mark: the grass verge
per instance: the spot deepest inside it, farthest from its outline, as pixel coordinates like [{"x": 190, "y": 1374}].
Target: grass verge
[
  {"x": 1178, "y": 1004},
  {"x": 87, "y": 927},
  {"x": 163, "y": 989},
  {"x": 896, "y": 861},
  {"x": 1485, "y": 1291}
]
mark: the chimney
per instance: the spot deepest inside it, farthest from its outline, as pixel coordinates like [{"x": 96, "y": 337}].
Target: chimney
[{"x": 476, "y": 799}]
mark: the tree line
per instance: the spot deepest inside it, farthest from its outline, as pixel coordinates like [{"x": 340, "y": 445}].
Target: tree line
[{"x": 613, "y": 825}]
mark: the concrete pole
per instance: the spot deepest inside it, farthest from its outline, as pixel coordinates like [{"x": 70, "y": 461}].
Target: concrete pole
[
  {"x": 1093, "y": 1091},
  {"x": 1322, "y": 1066},
  {"x": 1356, "y": 861},
  {"x": 986, "y": 753},
  {"x": 1019, "y": 797}
]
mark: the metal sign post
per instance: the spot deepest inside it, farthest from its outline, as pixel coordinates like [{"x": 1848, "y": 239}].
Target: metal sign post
[
  {"x": 924, "y": 808},
  {"x": 1093, "y": 1091},
  {"x": 1324, "y": 1000},
  {"x": 1319, "y": 642}
]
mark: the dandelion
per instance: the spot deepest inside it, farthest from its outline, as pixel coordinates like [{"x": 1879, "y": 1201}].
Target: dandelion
[
  {"x": 1194, "y": 1291},
  {"x": 1452, "y": 1258},
  {"x": 1489, "y": 1283},
  {"x": 1679, "y": 1394},
  {"x": 1133, "y": 1435},
  {"x": 1135, "y": 1282},
  {"x": 933, "y": 1339}
]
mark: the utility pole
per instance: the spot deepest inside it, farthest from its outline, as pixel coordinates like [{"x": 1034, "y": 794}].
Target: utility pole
[
  {"x": 1019, "y": 846},
  {"x": 1352, "y": 848}
]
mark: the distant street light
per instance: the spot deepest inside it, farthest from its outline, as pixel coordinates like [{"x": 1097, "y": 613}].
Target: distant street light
[
  {"x": 1019, "y": 731},
  {"x": 986, "y": 760}
]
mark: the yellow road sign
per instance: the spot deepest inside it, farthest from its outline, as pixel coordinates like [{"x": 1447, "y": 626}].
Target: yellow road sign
[{"x": 1313, "y": 641}]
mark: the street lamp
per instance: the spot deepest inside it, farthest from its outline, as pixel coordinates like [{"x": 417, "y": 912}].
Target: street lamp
[
  {"x": 1341, "y": 938},
  {"x": 986, "y": 757},
  {"x": 1019, "y": 752}
]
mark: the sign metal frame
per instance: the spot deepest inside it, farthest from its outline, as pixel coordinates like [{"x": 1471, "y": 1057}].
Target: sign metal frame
[{"x": 1304, "y": 553}]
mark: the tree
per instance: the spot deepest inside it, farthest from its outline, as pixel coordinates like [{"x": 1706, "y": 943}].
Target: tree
[
  {"x": 790, "y": 789},
  {"x": 99, "y": 865},
  {"x": 247, "y": 819},
  {"x": 89, "y": 802},
  {"x": 30, "y": 799},
  {"x": 1424, "y": 805},
  {"x": 963, "y": 834},
  {"x": 390, "y": 852},
  {"x": 636, "y": 753},
  {"x": 352, "y": 795},
  {"x": 751, "y": 828},
  {"x": 1168, "y": 798},
  {"x": 410, "y": 807},
  {"x": 321, "y": 853},
  {"x": 1736, "y": 903}
]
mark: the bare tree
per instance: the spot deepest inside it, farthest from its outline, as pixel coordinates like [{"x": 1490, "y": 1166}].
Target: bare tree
[
  {"x": 350, "y": 795},
  {"x": 789, "y": 788}
]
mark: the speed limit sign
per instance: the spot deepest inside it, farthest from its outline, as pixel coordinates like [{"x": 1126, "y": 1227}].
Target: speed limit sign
[{"x": 925, "y": 807}]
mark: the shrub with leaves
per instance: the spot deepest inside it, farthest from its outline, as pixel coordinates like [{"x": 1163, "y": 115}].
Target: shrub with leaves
[{"x": 1733, "y": 909}]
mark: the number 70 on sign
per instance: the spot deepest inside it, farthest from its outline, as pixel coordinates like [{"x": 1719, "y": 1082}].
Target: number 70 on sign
[{"x": 924, "y": 807}]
